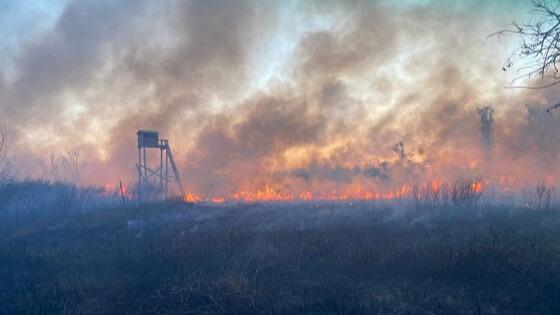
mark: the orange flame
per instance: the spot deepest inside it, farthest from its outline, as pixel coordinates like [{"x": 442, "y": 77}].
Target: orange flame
[
  {"x": 269, "y": 194},
  {"x": 190, "y": 197}
]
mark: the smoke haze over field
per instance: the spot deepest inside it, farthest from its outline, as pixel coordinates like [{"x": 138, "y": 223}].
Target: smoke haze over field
[{"x": 293, "y": 95}]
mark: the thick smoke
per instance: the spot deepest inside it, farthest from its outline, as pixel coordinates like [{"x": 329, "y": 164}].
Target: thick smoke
[{"x": 354, "y": 79}]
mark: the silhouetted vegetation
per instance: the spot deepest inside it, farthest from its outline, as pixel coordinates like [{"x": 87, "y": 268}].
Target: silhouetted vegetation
[{"x": 538, "y": 52}]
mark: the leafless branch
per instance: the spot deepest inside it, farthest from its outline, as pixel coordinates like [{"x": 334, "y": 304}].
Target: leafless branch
[
  {"x": 539, "y": 43},
  {"x": 70, "y": 161},
  {"x": 66, "y": 167}
]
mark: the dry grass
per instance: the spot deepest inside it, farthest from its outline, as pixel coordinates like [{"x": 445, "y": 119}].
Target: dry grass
[{"x": 327, "y": 258}]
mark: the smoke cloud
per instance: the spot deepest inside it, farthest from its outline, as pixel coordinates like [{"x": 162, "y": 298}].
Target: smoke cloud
[{"x": 297, "y": 96}]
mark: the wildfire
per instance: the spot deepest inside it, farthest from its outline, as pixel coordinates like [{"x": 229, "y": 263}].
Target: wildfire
[
  {"x": 217, "y": 200},
  {"x": 476, "y": 187},
  {"x": 266, "y": 194},
  {"x": 190, "y": 197},
  {"x": 269, "y": 194}
]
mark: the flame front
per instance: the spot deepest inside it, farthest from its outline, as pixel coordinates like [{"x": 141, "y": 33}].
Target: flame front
[
  {"x": 432, "y": 189},
  {"x": 269, "y": 194}
]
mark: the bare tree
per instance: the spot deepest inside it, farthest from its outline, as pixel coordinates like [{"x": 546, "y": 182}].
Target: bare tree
[
  {"x": 544, "y": 196},
  {"x": 486, "y": 114},
  {"x": 538, "y": 54},
  {"x": 399, "y": 149},
  {"x": 66, "y": 167},
  {"x": 71, "y": 162}
]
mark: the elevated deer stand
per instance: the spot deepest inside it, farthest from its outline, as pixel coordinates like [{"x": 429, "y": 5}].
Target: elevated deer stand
[{"x": 150, "y": 180}]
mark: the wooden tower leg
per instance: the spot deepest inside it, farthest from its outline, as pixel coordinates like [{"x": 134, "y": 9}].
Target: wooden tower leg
[
  {"x": 161, "y": 169},
  {"x": 139, "y": 166},
  {"x": 166, "y": 171},
  {"x": 145, "y": 166}
]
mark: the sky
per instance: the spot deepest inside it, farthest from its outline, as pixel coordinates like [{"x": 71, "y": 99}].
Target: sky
[{"x": 295, "y": 95}]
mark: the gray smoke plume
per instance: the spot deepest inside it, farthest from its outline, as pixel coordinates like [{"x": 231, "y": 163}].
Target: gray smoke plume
[{"x": 349, "y": 79}]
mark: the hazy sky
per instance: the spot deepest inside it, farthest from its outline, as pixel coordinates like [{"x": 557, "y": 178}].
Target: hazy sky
[{"x": 247, "y": 90}]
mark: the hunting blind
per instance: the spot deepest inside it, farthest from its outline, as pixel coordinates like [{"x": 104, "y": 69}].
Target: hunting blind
[{"x": 149, "y": 179}]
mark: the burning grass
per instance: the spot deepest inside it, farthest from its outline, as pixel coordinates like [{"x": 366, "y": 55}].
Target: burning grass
[{"x": 459, "y": 191}]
